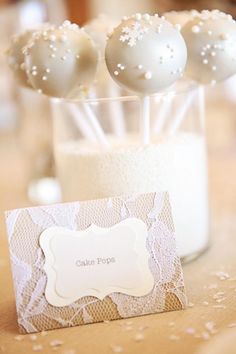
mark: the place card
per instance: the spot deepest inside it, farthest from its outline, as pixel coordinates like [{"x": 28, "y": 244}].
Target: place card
[{"x": 90, "y": 261}]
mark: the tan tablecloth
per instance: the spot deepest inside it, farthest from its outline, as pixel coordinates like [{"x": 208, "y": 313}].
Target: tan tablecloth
[{"x": 210, "y": 283}]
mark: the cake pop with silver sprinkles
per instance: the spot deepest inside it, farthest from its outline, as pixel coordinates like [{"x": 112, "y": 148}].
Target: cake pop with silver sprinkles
[
  {"x": 60, "y": 61},
  {"x": 145, "y": 54},
  {"x": 211, "y": 44}
]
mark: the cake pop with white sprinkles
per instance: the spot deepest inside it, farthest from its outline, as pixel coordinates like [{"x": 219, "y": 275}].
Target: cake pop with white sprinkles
[
  {"x": 211, "y": 43},
  {"x": 145, "y": 54},
  {"x": 59, "y": 61}
]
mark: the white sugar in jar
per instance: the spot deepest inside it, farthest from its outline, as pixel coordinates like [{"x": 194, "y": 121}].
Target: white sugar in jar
[{"x": 174, "y": 161}]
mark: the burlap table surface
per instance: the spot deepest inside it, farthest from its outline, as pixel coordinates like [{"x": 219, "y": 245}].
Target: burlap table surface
[{"x": 205, "y": 327}]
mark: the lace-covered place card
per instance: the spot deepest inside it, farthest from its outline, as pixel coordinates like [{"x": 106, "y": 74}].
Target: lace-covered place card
[{"x": 91, "y": 261}]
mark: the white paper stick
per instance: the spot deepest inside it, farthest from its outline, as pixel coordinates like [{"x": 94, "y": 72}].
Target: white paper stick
[
  {"x": 95, "y": 125},
  {"x": 116, "y": 113},
  {"x": 162, "y": 116},
  {"x": 201, "y": 103},
  {"x": 145, "y": 120},
  {"x": 80, "y": 121},
  {"x": 181, "y": 113}
]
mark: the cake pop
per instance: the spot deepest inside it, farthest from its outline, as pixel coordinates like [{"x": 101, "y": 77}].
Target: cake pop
[
  {"x": 59, "y": 61},
  {"x": 145, "y": 54},
  {"x": 211, "y": 43}
]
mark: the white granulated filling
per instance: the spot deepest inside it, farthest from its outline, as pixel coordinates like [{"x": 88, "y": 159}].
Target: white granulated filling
[{"x": 175, "y": 164}]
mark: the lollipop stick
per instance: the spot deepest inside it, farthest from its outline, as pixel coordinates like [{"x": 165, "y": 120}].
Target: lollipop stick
[
  {"x": 95, "y": 126},
  {"x": 145, "y": 120},
  {"x": 80, "y": 121},
  {"x": 181, "y": 114},
  {"x": 162, "y": 115},
  {"x": 201, "y": 102},
  {"x": 116, "y": 112}
]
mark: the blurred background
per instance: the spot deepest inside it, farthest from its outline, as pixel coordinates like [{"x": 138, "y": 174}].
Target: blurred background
[{"x": 25, "y": 129}]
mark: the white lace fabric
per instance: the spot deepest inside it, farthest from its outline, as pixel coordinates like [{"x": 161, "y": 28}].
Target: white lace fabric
[{"x": 25, "y": 226}]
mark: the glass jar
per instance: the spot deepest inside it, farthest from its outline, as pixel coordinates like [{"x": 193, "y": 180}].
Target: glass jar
[{"x": 117, "y": 162}]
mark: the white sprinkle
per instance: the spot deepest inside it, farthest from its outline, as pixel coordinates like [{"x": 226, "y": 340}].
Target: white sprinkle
[
  {"x": 203, "y": 54},
  {"x": 209, "y": 33},
  {"x": 19, "y": 338},
  {"x": 178, "y": 26},
  {"x": 205, "y": 61},
  {"x": 118, "y": 65},
  {"x": 116, "y": 73},
  {"x": 52, "y": 55},
  {"x": 208, "y": 46},
  {"x": 138, "y": 16},
  {"x": 63, "y": 58},
  {"x": 54, "y": 49},
  {"x": 173, "y": 337},
  {"x": 232, "y": 325},
  {"x": 34, "y": 73},
  {"x": 195, "y": 29},
  {"x": 213, "y": 54},
  {"x": 39, "y": 91},
  {"x": 210, "y": 326},
  {"x": 33, "y": 337},
  {"x": 56, "y": 343},
  {"x": 139, "y": 337},
  {"x": 44, "y": 78},
  {"x": 117, "y": 348},
  {"x": 48, "y": 70},
  {"x": 205, "y": 335},
  {"x": 140, "y": 66},
  {"x": 148, "y": 75},
  {"x": 213, "y": 68},
  {"x": 190, "y": 330},
  {"x": 146, "y": 17},
  {"x": 68, "y": 50},
  {"x": 122, "y": 67},
  {"x": 34, "y": 67},
  {"x": 63, "y": 38},
  {"x": 77, "y": 56},
  {"x": 37, "y": 347}
]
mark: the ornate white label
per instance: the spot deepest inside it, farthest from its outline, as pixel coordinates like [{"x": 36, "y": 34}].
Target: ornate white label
[{"x": 96, "y": 262}]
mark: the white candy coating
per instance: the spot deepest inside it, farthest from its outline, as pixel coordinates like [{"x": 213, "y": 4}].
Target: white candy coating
[
  {"x": 145, "y": 54},
  {"x": 211, "y": 43},
  {"x": 61, "y": 60}
]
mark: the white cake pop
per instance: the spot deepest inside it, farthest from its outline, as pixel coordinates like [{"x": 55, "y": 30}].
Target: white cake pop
[
  {"x": 145, "y": 54},
  {"x": 180, "y": 17},
  {"x": 211, "y": 43},
  {"x": 61, "y": 60}
]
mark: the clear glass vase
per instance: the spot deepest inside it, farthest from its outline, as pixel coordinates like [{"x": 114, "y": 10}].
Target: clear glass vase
[{"x": 90, "y": 166}]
